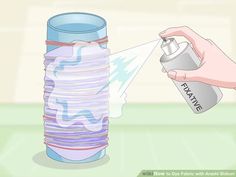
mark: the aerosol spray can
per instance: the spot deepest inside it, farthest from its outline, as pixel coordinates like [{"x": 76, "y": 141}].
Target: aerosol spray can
[{"x": 199, "y": 96}]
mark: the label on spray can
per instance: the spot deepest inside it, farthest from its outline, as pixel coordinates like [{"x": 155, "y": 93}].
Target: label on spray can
[{"x": 192, "y": 97}]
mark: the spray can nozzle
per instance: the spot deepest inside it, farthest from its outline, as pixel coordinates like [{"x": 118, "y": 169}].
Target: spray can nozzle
[{"x": 169, "y": 46}]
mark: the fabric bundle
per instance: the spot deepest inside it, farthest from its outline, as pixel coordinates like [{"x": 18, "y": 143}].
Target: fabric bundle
[{"x": 76, "y": 95}]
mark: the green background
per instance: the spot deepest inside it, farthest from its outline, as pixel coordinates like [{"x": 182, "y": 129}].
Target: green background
[{"x": 147, "y": 136}]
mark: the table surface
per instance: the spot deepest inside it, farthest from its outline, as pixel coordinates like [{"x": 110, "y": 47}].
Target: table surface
[{"x": 161, "y": 140}]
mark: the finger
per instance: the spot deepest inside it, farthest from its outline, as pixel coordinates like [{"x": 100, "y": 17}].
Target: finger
[
  {"x": 199, "y": 43},
  {"x": 184, "y": 31},
  {"x": 182, "y": 76}
]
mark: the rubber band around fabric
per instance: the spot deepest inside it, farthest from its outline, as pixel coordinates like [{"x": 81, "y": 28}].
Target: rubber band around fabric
[{"x": 56, "y": 43}]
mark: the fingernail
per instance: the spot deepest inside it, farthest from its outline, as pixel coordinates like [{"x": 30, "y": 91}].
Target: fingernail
[
  {"x": 161, "y": 33},
  {"x": 172, "y": 74}
]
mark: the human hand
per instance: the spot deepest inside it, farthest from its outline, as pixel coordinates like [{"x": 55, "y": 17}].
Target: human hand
[{"x": 216, "y": 68}]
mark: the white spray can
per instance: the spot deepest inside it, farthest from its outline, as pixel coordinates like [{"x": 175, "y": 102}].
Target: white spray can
[{"x": 199, "y": 96}]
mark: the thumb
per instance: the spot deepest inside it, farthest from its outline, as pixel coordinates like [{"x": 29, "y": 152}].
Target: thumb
[{"x": 184, "y": 75}]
